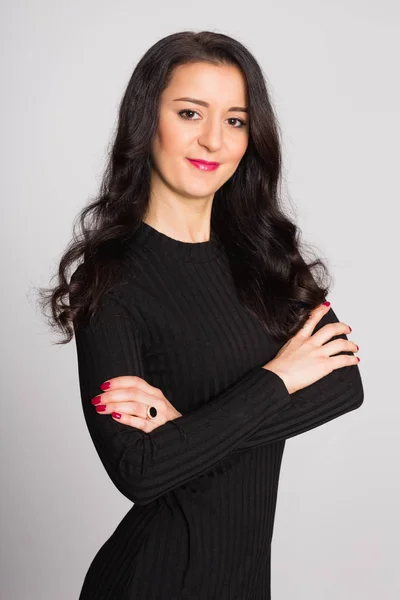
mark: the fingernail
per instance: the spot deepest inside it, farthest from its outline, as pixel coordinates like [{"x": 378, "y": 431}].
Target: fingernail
[
  {"x": 358, "y": 347},
  {"x": 105, "y": 386},
  {"x": 96, "y": 400},
  {"x": 101, "y": 408},
  {"x": 327, "y": 303},
  {"x": 116, "y": 415},
  {"x": 349, "y": 328},
  {"x": 358, "y": 358}
]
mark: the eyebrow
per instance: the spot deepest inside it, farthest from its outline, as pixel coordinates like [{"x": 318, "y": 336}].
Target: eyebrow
[{"x": 206, "y": 104}]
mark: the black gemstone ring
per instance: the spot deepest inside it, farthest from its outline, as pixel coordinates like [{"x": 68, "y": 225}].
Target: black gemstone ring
[{"x": 151, "y": 412}]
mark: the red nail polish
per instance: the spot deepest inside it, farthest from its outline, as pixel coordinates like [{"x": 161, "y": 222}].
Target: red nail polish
[
  {"x": 101, "y": 408},
  {"x": 116, "y": 415},
  {"x": 105, "y": 386},
  {"x": 358, "y": 358},
  {"x": 326, "y": 303},
  {"x": 96, "y": 400},
  {"x": 350, "y": 328}
]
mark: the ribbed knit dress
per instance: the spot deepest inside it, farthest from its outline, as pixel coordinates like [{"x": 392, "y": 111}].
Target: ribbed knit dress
[{"x": 204, "y": 485}]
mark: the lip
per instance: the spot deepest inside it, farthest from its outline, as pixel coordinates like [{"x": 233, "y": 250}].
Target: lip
[{"x": 203, "y": 165}]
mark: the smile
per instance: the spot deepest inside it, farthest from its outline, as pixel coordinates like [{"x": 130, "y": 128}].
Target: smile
[{"x": 203, "y": 165}]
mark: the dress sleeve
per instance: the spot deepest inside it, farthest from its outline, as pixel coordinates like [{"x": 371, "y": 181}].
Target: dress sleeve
[
  {"x": 255, "y": 410},
  {"x": 144, "y": 466},
  {"x": 331, "y": 396}
]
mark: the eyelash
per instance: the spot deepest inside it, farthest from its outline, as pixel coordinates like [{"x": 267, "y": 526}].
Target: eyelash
[{"x": 180, "y": 113}]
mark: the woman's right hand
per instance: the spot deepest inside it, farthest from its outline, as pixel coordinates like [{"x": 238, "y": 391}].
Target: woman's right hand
[{"x": 306, "y": 357}]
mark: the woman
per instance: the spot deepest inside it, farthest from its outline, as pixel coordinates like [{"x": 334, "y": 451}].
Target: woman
[{"x": 203, "y": 341}]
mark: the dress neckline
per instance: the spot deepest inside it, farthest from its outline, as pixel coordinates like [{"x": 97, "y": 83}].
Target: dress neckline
[{"x": 163, "y": 244}]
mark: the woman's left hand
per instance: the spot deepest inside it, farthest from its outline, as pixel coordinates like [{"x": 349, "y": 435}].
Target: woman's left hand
[{"x": 129, "y": 396}]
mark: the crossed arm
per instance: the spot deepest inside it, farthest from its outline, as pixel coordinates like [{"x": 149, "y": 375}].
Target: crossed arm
[{"x": 257, "y": 409}]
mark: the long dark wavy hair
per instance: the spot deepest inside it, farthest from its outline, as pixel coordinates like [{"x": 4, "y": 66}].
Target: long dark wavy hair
[{"x": 273, "y": 280}]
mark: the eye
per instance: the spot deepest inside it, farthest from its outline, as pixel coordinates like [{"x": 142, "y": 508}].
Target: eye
[
  {"x": 181, "y": 113},
  {"x": 241, "y": 123}
]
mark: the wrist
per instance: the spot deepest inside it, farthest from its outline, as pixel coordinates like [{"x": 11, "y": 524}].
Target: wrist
[{"x": 271, "y": 366}]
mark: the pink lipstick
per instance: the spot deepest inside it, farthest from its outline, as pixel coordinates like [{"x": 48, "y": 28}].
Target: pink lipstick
[{"x": 203, "y": 165}]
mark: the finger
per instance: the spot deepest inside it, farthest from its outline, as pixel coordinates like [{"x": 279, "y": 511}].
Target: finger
[
  {"x": 136, "y": 409},
  {"x": 127, "y": 381},
  {"x": 126, "y": 395},
  {"x": 330, "y": 330},
  {"x": 315, "y": 316},
  {"x": 136, "y": 422},
  {"x": 343, "y": 360},
  {"x": 339, "y": 345}
]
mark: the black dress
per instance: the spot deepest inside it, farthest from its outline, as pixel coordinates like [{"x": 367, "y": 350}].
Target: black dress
[{"x": 204, "y": 485}]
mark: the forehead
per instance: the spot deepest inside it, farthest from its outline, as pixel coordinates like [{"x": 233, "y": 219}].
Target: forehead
[{"x": 212, "y": 83}]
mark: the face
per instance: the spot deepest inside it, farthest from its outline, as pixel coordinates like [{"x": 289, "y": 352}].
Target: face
[{"x": 211, "y": 126}]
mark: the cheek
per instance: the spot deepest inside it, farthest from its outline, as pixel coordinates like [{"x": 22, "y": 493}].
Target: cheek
[
  {"x": 244, "y": 144},
  {"x": 173, "y": 138},
  {"x": 238, "y": 150}
]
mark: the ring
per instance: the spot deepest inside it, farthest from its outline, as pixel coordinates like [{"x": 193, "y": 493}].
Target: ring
[{"x": 151, "y": 412}]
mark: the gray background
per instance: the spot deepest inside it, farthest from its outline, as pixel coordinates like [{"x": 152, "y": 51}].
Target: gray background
[{"x": 332, "y": 67}]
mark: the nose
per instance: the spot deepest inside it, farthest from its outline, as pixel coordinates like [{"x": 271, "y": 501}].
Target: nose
[{"x": 211, "y": 135}]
